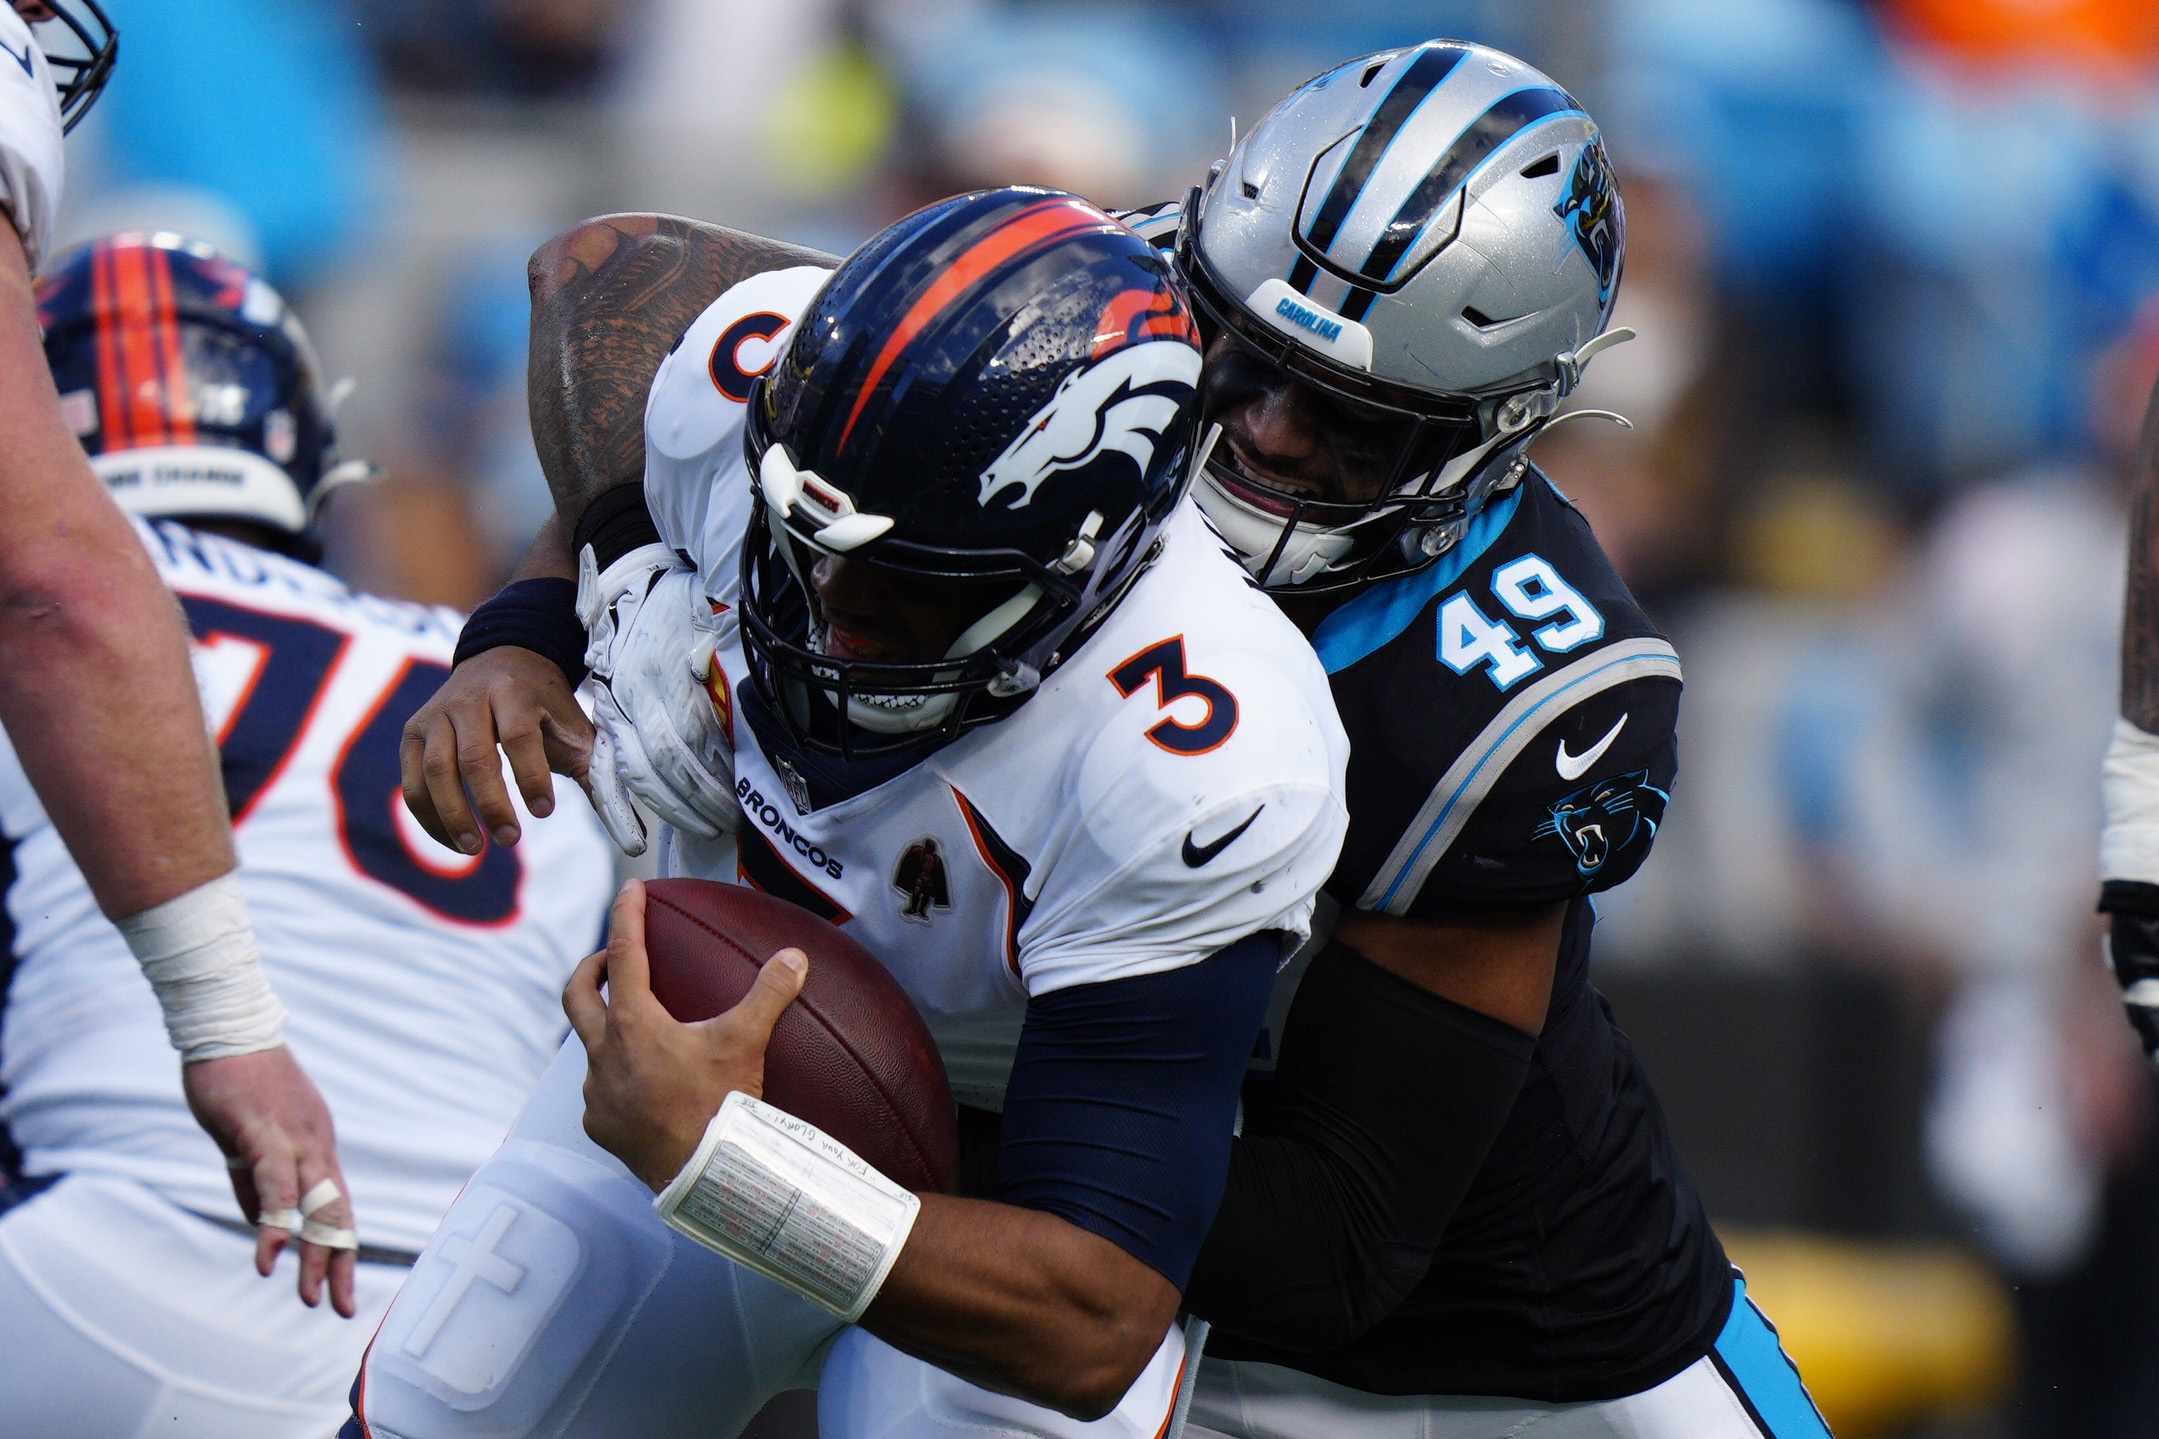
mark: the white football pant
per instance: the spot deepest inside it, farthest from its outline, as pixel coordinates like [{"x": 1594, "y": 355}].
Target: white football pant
[
  {"x": 553, "y": 1303},
  {"x": 123, "y": 1316}
]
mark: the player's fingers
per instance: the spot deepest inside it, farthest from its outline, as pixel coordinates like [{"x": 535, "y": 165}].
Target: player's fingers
[
  {"x": 446, "y": 786},
  {"x": 479, "y": 765},
  {"x": 567, "y": 733},
  {"x": 412, "y": 777},
  {"x": 243, "y": 1187},
  {"x": 581, "y": 1000},
  {"x": 517, "y": 726},
  {"x": 777, "y": 984},
  {"x": 344, "y": 1275},
  {"x": 277, "y": 1187},
  {"x": 326, "y": 1234},
  {"x": 629, "y": 969}
]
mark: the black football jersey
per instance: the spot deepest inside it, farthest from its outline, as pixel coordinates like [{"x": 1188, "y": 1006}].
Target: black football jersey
[{"x": 1511, "y": 715}]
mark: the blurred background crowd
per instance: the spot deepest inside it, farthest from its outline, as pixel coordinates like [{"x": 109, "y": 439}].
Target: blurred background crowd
[{"x": 1895, "y": 266}]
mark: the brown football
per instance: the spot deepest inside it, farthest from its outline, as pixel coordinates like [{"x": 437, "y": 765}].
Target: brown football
[{"x": 851, "y": 1055}]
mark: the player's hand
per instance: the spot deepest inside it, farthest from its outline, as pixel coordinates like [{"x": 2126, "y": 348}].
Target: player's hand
[
  {"x": 653, "y": 1083},
  {"x": 507, "y": 698},
  {"x": 270, "y": 1121},
  {"x": 662, "y": 737}
]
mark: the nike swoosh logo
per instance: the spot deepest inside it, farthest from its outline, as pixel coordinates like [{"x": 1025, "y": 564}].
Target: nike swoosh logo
[
  {"x": 1196, "y": 855},
  {"x": 1573, "y": 766},
  {"x": 22, "y": 59}
]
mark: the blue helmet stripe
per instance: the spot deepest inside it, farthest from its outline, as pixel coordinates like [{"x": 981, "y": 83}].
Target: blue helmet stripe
[
  {"x": 1419, "y": 80},
  {"x": 1509, "y": 115}
]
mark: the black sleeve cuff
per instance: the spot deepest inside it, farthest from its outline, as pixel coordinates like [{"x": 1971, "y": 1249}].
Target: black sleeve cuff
[
  {"x": 538, "y": 615},
  {"x": 614, "y": 524}
]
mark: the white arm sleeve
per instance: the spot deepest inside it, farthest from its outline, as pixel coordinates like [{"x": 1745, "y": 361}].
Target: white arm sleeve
[
  {"x": 2129, "y": 785},
  {"x": 30, "y": 162}
]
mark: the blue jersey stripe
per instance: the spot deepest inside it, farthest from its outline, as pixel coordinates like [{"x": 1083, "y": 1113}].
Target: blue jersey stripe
[
  {"x": 1373, "y": 619},
  {"x": 1749, "y": 1353}
]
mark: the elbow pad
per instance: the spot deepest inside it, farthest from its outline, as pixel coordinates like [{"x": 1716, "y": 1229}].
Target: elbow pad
[{"x": 1386, "y": 1100}]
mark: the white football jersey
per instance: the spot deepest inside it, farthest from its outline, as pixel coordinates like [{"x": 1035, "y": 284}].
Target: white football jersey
[
  {"x": 422, "y": 985},
  {"x": 1168, "y": 790},
  {"x": 30, "y": 164}
]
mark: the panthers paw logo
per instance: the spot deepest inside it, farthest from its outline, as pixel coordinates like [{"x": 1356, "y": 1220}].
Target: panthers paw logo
[
  {"x": 1602, "y": 818},
  {"x": 1593, "y": 212}
]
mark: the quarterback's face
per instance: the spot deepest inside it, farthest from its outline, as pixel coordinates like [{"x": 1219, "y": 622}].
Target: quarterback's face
[
  {"x": 874, "y": 615},
  {"x": 1289, "y": 437}
]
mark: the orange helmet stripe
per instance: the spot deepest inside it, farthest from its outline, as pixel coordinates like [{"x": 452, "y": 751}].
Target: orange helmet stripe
[
  {"x": 111, "y": 410},
  {"x": 143, "y": 390},
  {"x": 179, "y": 406},
  {"x": 1033, "y": 227}
]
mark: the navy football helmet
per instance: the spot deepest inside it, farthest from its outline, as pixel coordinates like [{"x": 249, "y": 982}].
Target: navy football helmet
[
  {"x": 83, "y": 63},
  {"x": 1000, "y": 388},
  {"x": 190, "y": 384}
]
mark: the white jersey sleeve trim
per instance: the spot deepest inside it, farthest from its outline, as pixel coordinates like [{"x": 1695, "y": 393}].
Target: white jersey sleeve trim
[{"x": 1470, "y": 778}]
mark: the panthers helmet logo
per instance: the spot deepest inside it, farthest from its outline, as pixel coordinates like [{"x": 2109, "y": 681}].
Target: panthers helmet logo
[
  {"x": 1123, "y": 402},
  {"x": 1602, "y": 818},
  {"x": 1594, "y": 214}
]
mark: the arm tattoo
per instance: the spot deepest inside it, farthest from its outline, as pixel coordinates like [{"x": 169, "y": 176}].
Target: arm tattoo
[
  {"x": 2140, "y": 608},
  {"x": 610, "y": 298}
]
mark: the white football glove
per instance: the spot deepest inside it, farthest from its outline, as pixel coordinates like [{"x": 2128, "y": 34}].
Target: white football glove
[{"x": 659, "y": 737}]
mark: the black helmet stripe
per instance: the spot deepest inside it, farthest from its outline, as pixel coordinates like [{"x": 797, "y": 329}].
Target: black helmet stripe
[
  {"x": 1418, "y": 81},
  {"x": 1509, "y": 116}
]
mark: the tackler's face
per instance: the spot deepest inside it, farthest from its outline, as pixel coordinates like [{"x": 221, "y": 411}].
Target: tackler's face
[
  {"x": 878, "y": 616},
  {"x": 1282, "y": 440}
]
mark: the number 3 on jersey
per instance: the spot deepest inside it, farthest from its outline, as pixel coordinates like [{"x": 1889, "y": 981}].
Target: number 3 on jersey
[
  {"x": 265, "y": 674},
  {"x": 1163, "y": 662},
  {"x": 1532, "y": 590}
]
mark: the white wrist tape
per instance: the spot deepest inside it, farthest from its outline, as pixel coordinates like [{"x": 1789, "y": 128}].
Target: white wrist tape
[
  {"x": 199, "y": 954},
  {"x": 782, "y": 1197},
  {"x": 2129, "y": 787}
]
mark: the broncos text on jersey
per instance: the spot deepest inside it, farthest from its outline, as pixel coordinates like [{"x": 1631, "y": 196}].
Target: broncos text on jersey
[{"x": 1169, "y": 789}]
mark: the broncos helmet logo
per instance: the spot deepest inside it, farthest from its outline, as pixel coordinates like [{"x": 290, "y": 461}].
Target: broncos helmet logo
[
  {"x": 1593, "y": 212},
  {"x": 1602, "y": 818},
  {"x": 1123, "y": 402}
]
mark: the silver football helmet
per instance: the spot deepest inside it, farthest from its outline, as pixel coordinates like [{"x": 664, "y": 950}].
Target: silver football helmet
[{"x": 1432, "y": 239}]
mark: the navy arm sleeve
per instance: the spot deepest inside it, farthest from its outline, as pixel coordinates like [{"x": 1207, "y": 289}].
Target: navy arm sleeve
[
  {"x": 1386, "y": 1100},
  {"x": 1123, "y": 1095}
]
